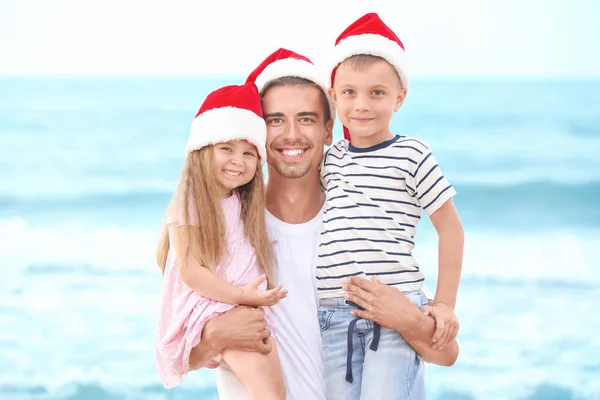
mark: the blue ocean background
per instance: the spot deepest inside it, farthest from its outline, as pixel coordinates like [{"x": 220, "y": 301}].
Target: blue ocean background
[{"x": 88, "y": 165}]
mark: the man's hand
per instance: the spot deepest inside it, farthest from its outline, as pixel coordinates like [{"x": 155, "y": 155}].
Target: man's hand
[
  {"x": 446, "y": 324},
  {"x": 242, "y": 328},
  {"x": 383, "y": 304}
]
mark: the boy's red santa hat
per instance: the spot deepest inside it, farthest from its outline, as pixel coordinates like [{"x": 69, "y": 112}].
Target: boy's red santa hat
[
  {"x": 282, "y": 63},
  {"x": 230, "y": 113},
  {"x": 370, "y": 35}
]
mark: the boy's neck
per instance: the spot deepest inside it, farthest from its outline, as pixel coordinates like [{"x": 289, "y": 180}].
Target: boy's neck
[
  {"x": 366, "y": 141},
  {"x": 295, "y": 201}
]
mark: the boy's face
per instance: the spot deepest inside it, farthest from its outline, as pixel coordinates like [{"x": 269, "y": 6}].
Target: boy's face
[{"x": 366, "y": 99}]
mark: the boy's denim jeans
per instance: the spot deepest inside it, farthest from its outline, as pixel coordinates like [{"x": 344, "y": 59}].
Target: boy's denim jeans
[{"x": 393, "y": 372}]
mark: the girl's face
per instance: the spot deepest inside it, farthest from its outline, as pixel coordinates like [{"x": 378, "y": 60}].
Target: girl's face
[{"x": 234, "y": 164}]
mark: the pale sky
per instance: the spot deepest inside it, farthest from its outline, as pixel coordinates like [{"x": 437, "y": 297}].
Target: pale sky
[{"x": 197, "y": 37}]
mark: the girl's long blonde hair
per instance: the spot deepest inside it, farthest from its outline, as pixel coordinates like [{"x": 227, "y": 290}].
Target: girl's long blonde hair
[{"x": 199, "y": 188}]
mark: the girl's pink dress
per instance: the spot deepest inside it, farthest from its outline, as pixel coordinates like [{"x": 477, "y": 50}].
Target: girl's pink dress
[{"x": 183, "y": 312}]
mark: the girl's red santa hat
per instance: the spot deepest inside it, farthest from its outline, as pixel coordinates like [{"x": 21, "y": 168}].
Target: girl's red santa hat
[
  {"x": 230, "y": 113},
  {"x": 283, "y": 63}
]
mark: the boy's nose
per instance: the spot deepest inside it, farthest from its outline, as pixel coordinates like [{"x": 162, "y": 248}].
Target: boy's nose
[{"x": 361, "y": 103}]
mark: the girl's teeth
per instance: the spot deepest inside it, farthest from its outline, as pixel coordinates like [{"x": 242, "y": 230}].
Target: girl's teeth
[{"x": 232, "y": 173}]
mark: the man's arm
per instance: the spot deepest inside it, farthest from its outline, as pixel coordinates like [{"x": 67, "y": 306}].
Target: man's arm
[
  {"x": 242, "y": 328},
  {"x": 390, "y": 308},
  {"x": 418, "y": 330}
]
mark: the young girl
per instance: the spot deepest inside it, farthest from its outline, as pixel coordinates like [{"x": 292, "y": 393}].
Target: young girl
[{"x": 214, "y": 250}]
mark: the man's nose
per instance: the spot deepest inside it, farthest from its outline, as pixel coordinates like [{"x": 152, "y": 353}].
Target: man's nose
[{"x": 292, "y": 131}]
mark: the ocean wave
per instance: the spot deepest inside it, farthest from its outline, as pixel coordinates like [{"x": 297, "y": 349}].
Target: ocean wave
[{"x": 569, "y": 256}]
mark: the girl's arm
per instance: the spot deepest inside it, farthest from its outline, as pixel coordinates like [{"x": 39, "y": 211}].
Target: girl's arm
[{"x": 207, "y": 284}]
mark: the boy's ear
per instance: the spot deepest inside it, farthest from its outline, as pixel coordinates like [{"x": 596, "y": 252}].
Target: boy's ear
[
  {"x": 400, "y": 99},
  {"x": 332, "y": 95}
]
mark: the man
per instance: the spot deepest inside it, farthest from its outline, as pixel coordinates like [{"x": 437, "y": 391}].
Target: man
[{"x": 299, "y": 125}]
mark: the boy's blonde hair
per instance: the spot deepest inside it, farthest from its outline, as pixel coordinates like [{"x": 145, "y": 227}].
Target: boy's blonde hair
[
  {"x": 360, "y": 62},
  {"x": 198, "y": 187}
]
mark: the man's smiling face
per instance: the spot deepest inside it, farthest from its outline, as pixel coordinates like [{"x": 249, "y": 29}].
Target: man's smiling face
[{"x": 296, "y": 130}]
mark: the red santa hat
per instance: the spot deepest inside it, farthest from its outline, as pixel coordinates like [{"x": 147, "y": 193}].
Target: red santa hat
[
  {"x": 230, "y": 113},
  {"x": 282, "y": 63},
  {"x": 370, "y": 35}
]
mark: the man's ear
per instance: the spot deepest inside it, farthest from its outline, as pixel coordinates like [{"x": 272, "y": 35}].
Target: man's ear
[
  {"x": 400, "y": 99},
  {"x": 329, "y": 132}
]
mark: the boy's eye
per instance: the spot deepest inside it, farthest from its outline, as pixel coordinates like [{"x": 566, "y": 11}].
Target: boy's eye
[
  {"x": 348, "y": 91},
  {"x": 378, "y": 92}
]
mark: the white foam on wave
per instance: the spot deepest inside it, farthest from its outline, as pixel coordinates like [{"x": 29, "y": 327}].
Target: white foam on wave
[
  {"x": 556, "y": 255},
  {"x": 106, "y": 247},
  {"x": 569, "y": 256}
]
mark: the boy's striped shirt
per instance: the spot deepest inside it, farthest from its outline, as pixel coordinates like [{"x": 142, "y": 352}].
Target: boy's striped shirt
[{"x": 374, "y": 201}]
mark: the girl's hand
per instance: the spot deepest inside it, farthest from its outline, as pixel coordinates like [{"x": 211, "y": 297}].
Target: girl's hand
[
  {"x": 253, "y": 296},
  {"x": 446, "y": 324}
]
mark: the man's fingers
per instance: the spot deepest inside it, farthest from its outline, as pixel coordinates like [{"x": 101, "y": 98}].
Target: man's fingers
[
  {"x": 376, "y": 279},
  {"x": 364, "y": 314},
  {"x": 357, "y": 300},
  {"x": 362, "y": 283},
  {"x": 264, "y": 347},
  {"x": 357, "y": 291},
  {"x": 427, "y": 310},
  {"x": 265, "y": 334}
]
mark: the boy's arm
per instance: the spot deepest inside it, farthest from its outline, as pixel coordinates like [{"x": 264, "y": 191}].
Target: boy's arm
[{"x": 450, "y": 252}]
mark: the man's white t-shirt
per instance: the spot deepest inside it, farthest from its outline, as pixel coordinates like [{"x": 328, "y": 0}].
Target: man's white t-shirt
[{"x": 298, "y": 335}]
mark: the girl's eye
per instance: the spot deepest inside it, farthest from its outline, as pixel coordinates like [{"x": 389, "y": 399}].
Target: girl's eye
[
  {"x": 227, "y": 149},
  {"x": 250, "y": 153}
]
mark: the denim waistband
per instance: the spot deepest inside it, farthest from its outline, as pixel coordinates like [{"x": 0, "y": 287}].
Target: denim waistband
[{"x": 333, "y": 302}]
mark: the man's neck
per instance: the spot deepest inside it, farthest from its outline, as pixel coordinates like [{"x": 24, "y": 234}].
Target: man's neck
[{"x": 294, "y": 201}]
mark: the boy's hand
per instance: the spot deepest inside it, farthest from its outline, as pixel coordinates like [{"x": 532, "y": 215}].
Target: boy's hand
[
  {"x": 446, "y": 324},
  {"x": 253, "y": 296}
]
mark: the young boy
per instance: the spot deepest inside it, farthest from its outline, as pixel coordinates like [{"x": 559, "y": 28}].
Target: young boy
[{"x": 376, "y": 185}]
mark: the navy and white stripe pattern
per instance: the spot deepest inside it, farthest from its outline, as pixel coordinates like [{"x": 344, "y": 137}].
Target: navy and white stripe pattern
[{"x": 374, "y": 201}]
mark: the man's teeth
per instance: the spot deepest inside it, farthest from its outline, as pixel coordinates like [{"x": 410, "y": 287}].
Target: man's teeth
[
  {"x": 293, "y": 152},
  {"x": 233, "y": 173}
]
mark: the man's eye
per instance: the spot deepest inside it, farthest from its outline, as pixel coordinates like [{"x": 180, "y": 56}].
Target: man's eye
[
  {"x": 307, "y": 120},
  {"x": 275, "y": 121}
]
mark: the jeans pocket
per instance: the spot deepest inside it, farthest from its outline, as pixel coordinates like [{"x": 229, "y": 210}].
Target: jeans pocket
[{"x": 325, "y": 319}]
